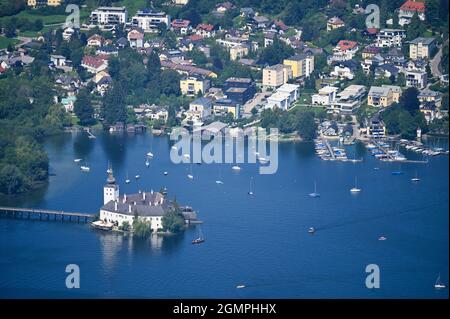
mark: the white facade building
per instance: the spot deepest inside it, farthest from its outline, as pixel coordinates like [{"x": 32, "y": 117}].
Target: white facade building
[
  {"x": 349, "y": 99},
  {"x": 109, "y": 16},
  {"x": 326, "y": 96},
  {"x": 149, "y": 20},
  {"x": 387, "y": 38}
]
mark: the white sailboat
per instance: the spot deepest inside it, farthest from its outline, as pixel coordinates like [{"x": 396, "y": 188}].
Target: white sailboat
[
  {"x": 315, "y": 194},
  {"x": 147, "y": 163},
  {"x": 236, "y": 168},
  {"x": 311, "y": 230},
  {"x": 85, "y": 168},
  {"x": 240, "y": 286},
  {"x": 127, "y": 181},
  {"x": 250, "y": 192},
  {"x": 190, "y": 175},
  {"x": 355, "y": 189},
  {"x": 77, "y": 160},
  {"x": 415, "y": 179},
  {"x": 219, "y": 181},
  {"x": 439, "y": 284},
  {"x": 200, "y": 239}
]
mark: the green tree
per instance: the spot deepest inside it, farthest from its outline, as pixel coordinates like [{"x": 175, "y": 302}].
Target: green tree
[
  {"x": 141, "y": 229},
  {"x": 83, "y": 108},
  {"x": 173, "y": 221},
  {"x": 306, "y": 126}
]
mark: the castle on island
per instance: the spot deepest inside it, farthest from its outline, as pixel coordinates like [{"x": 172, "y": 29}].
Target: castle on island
[{"x": 147, "y": 206}]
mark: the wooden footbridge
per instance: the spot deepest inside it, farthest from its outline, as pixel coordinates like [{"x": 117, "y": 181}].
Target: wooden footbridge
[{"x": 45, "y": 214}]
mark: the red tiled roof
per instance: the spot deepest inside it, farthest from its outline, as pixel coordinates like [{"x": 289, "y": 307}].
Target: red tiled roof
[
  {"x": 413, "y": 6},
  {"x": 372, "y": 30},
  {"x": 96, "y": 37},
  {"x": 345, "y": 45},
  {"x": 206, "y": 27},
  {"x": 93, "y": 61},
  {"x": 280, "y": 24},
  {"x": 2, "y": 69},
  {"x": 195, "y": 37},
  {"x": 178, "y": 23},
  {"x": 135, "y": 35}
]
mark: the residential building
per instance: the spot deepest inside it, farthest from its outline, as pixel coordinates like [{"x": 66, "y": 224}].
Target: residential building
[
  {"x": 200, "y": 109},
  {"x": 95, "y": 40},
  {"x": 109, "y": 16},
  {"x": 326, "y": 96},
  {"x": 67, "y": 34},
  {"x": 239, "y": 89},
  {"x": 383, "y": 96},
  {"x": 180, "y": 2},
  {"x": 375, "y": 128},
  {"x": 416, "y": 78},
  {"x": 222, "y": 107},
  {"x": 187, "y": 69},
  {"x": 181, "y": 26},
  {"x": 39, "y": 3},
  {"x": 284, "y": 97},
  {"x": 372, "y": 63},
  {"x": 428, "y": 95},
  {"x": 421, "y": 48},
  {"x": 149, "y": 20},
  {"x": 344, "y": 70},
  {"x": 224, "y": 7},
  {"x": 276, "y": 75},
  {"x": 409, "y": 9},
  {"x": 302, "y": 65},
  {"x": 348, "y": 100},
  {"x": 205, "y": 30},
  {"x": 58, "y": 60},
  {"x": 370, "y": 51},
  {"x": 387, "y": 38},
  {"x": 94, "y": 64},
  {"x": 136, "y": 38},
  {"x": 345, "y": 50},
  {"x": 194, "y": 85},
  {"x": 238, "y": 52},
  {"x": 334, "y": 23}
]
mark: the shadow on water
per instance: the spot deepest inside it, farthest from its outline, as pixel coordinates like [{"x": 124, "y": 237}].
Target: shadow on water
[
  {"x": 82, "y": 145},
  {"x": 115, "y": 147}
]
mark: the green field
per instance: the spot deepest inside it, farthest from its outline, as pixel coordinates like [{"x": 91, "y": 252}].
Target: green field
[
  {"x": 4, "y": 42},
  {"x": 133, "y": 5}
]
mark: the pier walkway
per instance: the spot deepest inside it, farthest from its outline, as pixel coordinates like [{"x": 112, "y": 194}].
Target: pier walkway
[{"x": 45, "y": 214}]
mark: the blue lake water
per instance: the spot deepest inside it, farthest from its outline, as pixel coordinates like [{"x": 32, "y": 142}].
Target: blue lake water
[{"x": 261, "y": 241}]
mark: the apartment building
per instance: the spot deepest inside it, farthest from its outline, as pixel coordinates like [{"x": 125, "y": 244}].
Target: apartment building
[
  {"x": 149, "y": 20},
  {"x": 276, "y": 75},
  {"x": 301, "y": 65}
]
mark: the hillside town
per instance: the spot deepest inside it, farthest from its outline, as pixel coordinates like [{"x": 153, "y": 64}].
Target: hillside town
[{"x": 310, "y": 71}]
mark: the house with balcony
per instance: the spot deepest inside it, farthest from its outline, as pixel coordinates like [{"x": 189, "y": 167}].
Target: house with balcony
[
  {"x": 222, "y": 107},
  {"x": 422, "y": 48},
  {"x": 348, "y": 100},
  {"x": 409, "y": 9},
  {"x": 345, "y": 50},
  {"x": 326, "y": 96},
  {"x": 109, "y": 16},
  {"x": 150, "y": 20},
  {"x": 194, "y": 85},
  {"x": 383, "y": 96},
  {"x": 136, "y": 38},
  {"x": 276, "y": 75},
  {"x": 334, "y": 23},
  {"x": 387, "y": 38},
  {"x": 284, "y": 97},
  {"x": 200, "y": 109}
]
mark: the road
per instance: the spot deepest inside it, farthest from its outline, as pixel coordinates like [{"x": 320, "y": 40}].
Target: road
[
  {"x": 23, "y": 40},
  {"x": 257, "y": 99},
  {"x": 434, "y": 63}
]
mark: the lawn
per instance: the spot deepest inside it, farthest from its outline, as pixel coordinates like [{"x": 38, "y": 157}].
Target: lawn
[
  {"x": 133, "y": 5},
  {"x": 4, "y": 42}
]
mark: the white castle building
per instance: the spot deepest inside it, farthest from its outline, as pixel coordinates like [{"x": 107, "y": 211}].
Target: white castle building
[{"x": 148, "y": 206}]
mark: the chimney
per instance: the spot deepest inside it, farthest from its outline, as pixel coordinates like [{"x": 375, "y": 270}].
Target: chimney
[
  {"x": 115, "y": 206},
  {"x": 152, "y": 192},
  {"x": 129, "y": 208},
  {"x": 143, "y": 195},
  {"x": 124, "y": 198}
]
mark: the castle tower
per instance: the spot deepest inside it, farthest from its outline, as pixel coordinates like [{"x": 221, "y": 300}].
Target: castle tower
[{"x": 111, "y": 189}]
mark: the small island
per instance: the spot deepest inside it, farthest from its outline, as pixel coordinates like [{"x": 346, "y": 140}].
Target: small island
[{"x": 142, "y": 213}]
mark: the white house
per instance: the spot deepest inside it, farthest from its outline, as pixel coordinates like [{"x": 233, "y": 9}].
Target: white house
[
  {"x": 326, "y": 96},
  {"x": 349, "y": 99},
  {"x": 149, "y": 20},
  {"x": 109, "y": 16},
  {"x": 284, "y": 96},
  {"x": 345, "y": 50},
  {"x": 387, "y": 38},
  {"x": 409, "y": 9}
]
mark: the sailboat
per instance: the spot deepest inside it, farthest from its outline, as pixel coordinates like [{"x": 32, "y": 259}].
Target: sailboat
[
  {"x": 315, "y": 194},
  {"x": 415, "y": 179},
  {"x": 190, "y": 176},
  {"x": 439, "y": 284},
  {"x": 77, "y": 160},
  {"x": 219, "y": 181},
  {"x": 311, "y": 230},
  {"x": 250, "y": 192},
  {"x": 355, "y": 189},
  {"x": 240, "y": 286},
  {"x": 85, "y": 168},
  {"x": 147, "y": 163},
  {"x": 236, "y": 168},
  {"x": 127, "y": 181},
  {"x": 200, "y": 239}
]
